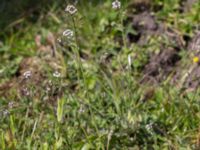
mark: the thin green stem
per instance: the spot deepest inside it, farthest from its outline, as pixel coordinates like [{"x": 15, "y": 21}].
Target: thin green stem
[
  {"x": 77, "y": 49},
  {"x": 80, "y": 67}
]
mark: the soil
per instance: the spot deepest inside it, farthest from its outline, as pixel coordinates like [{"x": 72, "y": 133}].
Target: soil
[
  {"x": 167, "y": 63},
  {"x": 191, "y": 80},
  {"x": 39, "y": 66}
]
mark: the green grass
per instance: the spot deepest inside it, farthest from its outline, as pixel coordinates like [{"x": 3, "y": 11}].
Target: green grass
[{"x": 98, "y": 102}]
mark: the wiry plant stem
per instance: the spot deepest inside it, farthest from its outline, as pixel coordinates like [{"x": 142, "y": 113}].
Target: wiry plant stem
[{"x": 80, "y": 67}]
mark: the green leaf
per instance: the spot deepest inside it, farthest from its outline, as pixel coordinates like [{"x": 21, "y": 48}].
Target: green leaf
[{"x": 60, "y": 109}]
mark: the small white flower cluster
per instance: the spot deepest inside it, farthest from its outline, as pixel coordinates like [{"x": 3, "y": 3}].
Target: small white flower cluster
[
  {"x": 56, "y": 74},
  {"x": 11, "y": 105},
  {"x": 4, "y": 113},
  {"x": 81, "y": 109},
  {"x": 68, "y": 33},
  {"x": 59, "y": 40},
  {"x": 116, "y": 4},
  {"x": 27, "y": 74},
  {"x": 71, "y": 9},
  {"x": 26, "y": 91},
  {"x": 149, "y": 128},
  {"x": 48, "y": 89}
]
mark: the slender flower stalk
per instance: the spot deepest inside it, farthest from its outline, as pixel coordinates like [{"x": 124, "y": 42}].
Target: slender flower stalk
[{"x": 77, "y": 51}]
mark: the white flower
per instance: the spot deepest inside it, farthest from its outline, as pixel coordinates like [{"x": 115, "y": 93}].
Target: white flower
[
  {"x": 81, "y": 109},
  {"x": 27, "y": 74},
  {"x": 50, "y": 82},
  {"x": 71, "y": 9},
  {"x": 6, "y": 113},
  {"x": 149, "y": 128},
  {"x": 48, "y": 89},
  {"x": 68, "y": 33},
  {"x": 26, "y": 91},
  {"x": 116, "y": 4},
  {"x": 59, "y": 40},
  {"x": 56, "y": 74},
  {"x": 10, "y": 104}
]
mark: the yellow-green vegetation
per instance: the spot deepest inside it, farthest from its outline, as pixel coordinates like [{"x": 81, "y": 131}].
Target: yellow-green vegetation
[{"x": 102, "y": 75}]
